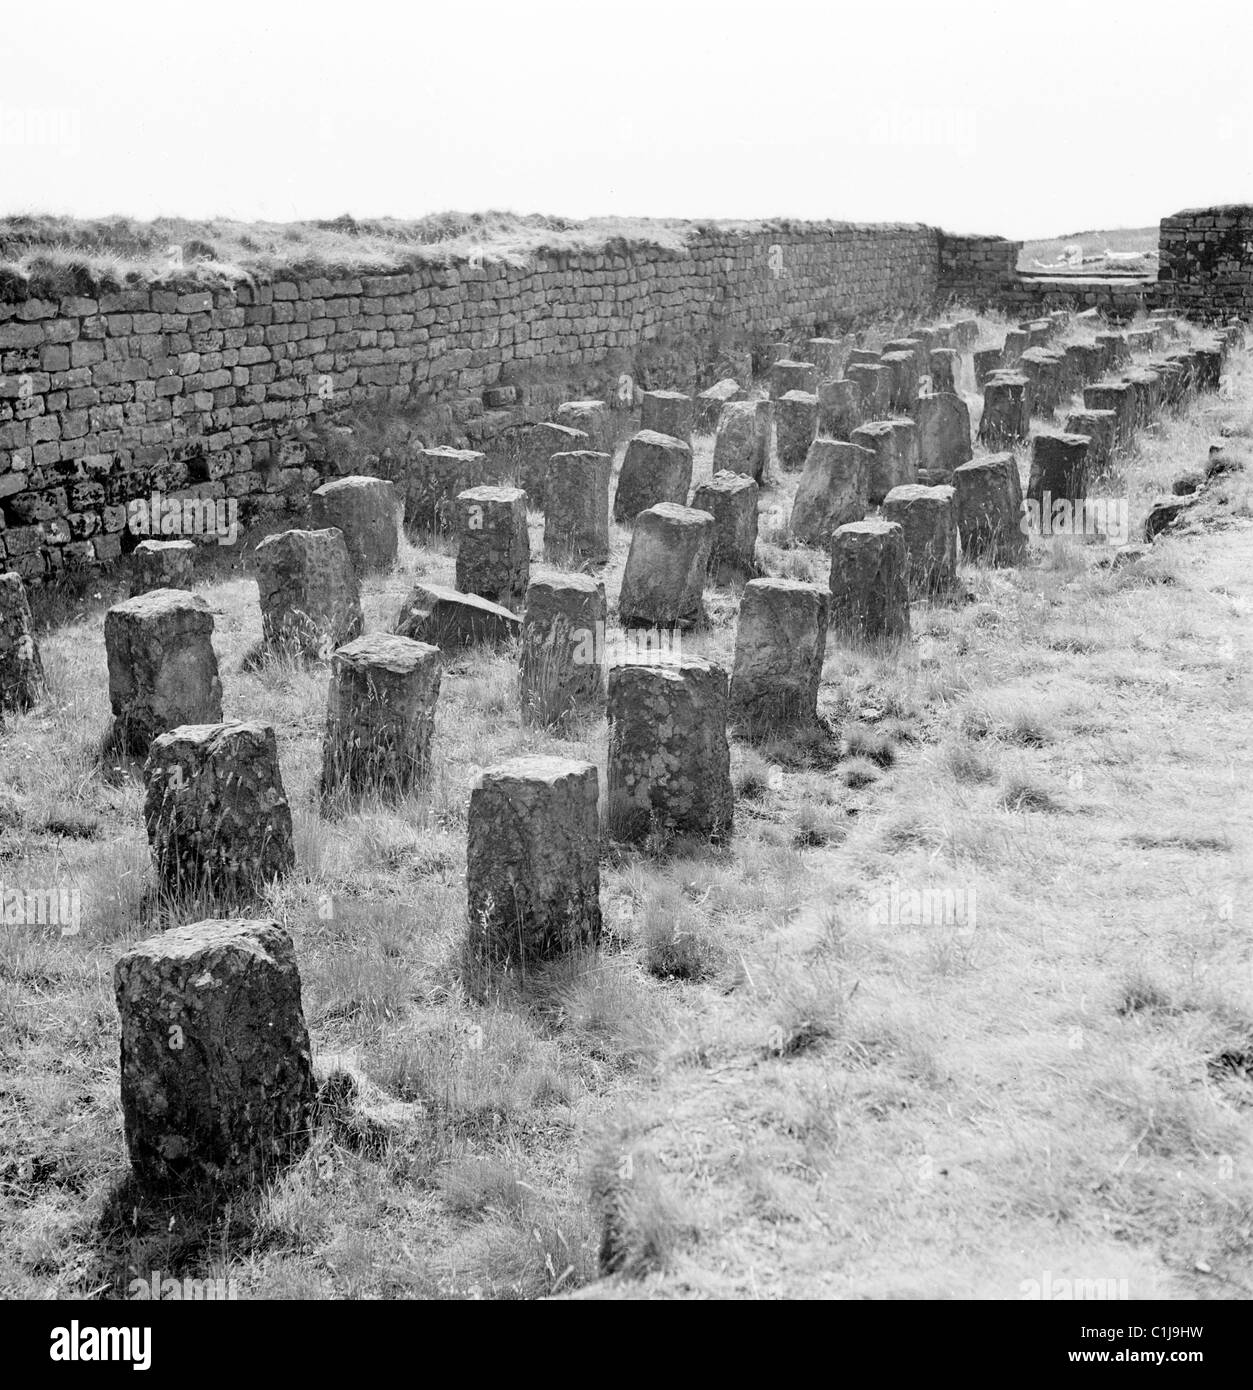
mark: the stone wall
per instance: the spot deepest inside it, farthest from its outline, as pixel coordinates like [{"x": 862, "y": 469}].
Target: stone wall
[
  {"x": 108, "y": 397},
  {"x": 1206, "y": 262},
  {"x": 1118, "y": 297},
  {"x": 976, "y": 270}
]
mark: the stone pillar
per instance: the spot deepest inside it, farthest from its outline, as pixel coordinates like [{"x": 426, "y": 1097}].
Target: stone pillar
[
  {"x": 780, "y": 643},
  {"x": 834, "y": 488},
  {"x": 216, "y": 1075},
  {"x": 1119, "y": 397},
  {"x": 875, "y": 382},
  {"x": 451, "y": 620},
  {"x": 435, "y": 479},
  {"x": 869, "y": 588},
  {"x": 532, "y": 862},
  {"x": 927, "y": 516},
  {"x": 21, "y": 669},
  {"x": 562, "y": 653},
  {"x": 865, "y": 357},
  {"x": 1146, "y": 388},
  {"x": 943, "y": 434},
  {"x": 987, "y": 361},
  {"x": 904, "y": 389},
  {"x": 944, "y": 365},
  {"x": 532, "y": 450},
  {"x": 664, "y": 579},
  {"x": 667, "y": 412},
  {"x": 576, "y": 509},
  {"x": 894, "y": 444},
  {"x": 161, "y": 565},
  {"x": 731, "y": 499},
  {"x": 656, "y": 468},
  {"x": 1006, "y": 418},
  {"x": 917, "y": 348},
  {"x": 310, "y": 599},
  {"x": 796, "y": 423},
  {"x": 366, "y": 511},
  {"x": 1116, "y": 352},
  {"x": 380, "y": 716},
  {"x": 709, "y": 403},
  {"x": 592, "y": 418},
  {"x": 1039, "y": 333},
  {"x": 742, "y": 444},
  {"x": 1059, "y": 468},
  {"x": 493, "y": 544},
  {"x": 988, "y": 501},
  {"x": 669, "y": 764},
  {"x": 827, "y": 355},
  {"x": 218, "y": 821},
  {"x": 162, "y": 669},
  {"x": 1043, "y": 370},
  {"x": 965, "y": 333},
  {"x": 786, "y": 376},
  {"x": 840, "y": 409},
  {"x": 1017, "y": 341}
]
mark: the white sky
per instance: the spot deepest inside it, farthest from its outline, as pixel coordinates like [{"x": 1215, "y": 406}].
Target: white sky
[{"x": 1024, "y": 120}]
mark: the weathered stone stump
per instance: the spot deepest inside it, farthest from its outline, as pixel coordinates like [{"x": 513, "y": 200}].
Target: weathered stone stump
[
  {"x": 533, "y": 451},
  {"x": 786, "y": 375},
  {"x": 1039, "y": 333},
  {"x": 667, "y": 412},
  {"x": 840, "y": 408},
  {"x": 928, "y": 517},
  {"x": 576, "y": 508},
  {"x": 1210, "y": 366},
  {"x": 493, "y": 544},
  {"x": 709, "y": 403},
  {"x": 1043, "y": 370},
  {"x": 796, "y": 423},
  {"x": 834, "y": 488},
  {"x": 216, "y": 1075},
  {"x": 1141, "y": 340},
  {"x": 380, "y": 716},
  {"x": 366, "y": 511},
  {"x": 1118, "y": 396},
  {"x": 561, "y": 659},
  {"x": 532, "y": 862},
  {"x": 731, "y": 499},
  {"x": 592, "y": 418},
  {"x": 875, "y": 383},
  {"x": 436, "y": 477},
  {"x": 656, "y": 468},
  {"x": 21, "y": 668},
  {"x": 1006, "y": 418},
  {"x": 1115, "y": 350},
  {"x": 944, "y": 365},
  {"x": 827, "y": 355},
  {"x": 869, "y": 585},
  {"x": 218, "y": 821},
  {"x": 917, "y": 348},
  {"x": 965, "y": 333},
  {"x": 669, "y": 766},
  {"x": 161, "y": 565},
  {"x": 780, "y": 643},
  {"x": 162, "y": 669},
  {"x": 988, "y": 503},
  {"x": 894, "y": 444},
  {"x": 664, "y": 580},
  {"x": 742, "y": 444},
  {"x": 987, "y": 361},
  {"x": 310, "y": 597},
  {"x": 903, "y": 395},
  {"x": 449, "y": 619},
  {"x": 943, "y": 422},
  {"x": 1059, "y": 468},
  {"x": 861, "y": 356},
  {"x": 1146, "y": 387}
]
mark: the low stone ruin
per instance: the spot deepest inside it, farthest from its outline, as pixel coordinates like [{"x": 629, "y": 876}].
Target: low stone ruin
[{"x": 450, "y": 620}]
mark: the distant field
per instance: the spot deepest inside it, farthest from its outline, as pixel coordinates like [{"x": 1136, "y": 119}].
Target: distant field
[{"x": 1096, "y": 243}]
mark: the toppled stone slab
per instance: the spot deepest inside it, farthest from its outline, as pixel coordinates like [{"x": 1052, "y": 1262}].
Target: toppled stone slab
[
  {"x": 1163, "y": 514},
  {"x": 366, "y": 510},
  {"x": 450, "y": 620}
]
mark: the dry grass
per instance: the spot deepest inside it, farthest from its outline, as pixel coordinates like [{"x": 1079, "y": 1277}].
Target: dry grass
[{"x": 759, "y": 1085}]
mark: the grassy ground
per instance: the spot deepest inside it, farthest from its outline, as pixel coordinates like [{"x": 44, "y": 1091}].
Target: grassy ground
[
  {"x": 764, "y": 1084},
  {"x": 1143, "y": 240}
]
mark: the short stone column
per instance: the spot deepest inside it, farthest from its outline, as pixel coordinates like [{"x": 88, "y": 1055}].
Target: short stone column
[
  {"x": 576, "y": 509},
  {"x": 1115, "y": 350},
  {"x": 216, "y": 1074},
  {"x": 709, "y": 403},
  {"x": 493, "y": 544},
  {"x": 875, "y": 383},
  {"x": 918, "y": 348},
  {"x": 533, "y": 450},
  {"x": 987, "y": 361},
  {"x": 861, "y": 357},
  {"x": 927, "y": 516},
  {"x": 592, "y": 418},
  {"x": 1043, "y": 370},
  {"x": 943, "y": 422},
  {"x": 532, "y": 862},
  {"x": 1017, "y": 341},
  {"x": 664, "y": 580},
  {"x": 1059, "y": 468},
  {"x": 367, "y": 512},
  {"x": 451, "y": 620},
  {"x": 22, "y": 681},
  {"x": 988, "y": 500},
  {"x": 656, "y": 468},
  {"x": 309, "y": 593},
  {"x": 780, "y": 644},
  {"x": 869, "y": 587},
  {"x": 786, "y": 375},
  {"x": 1118, "y": 396},
  {"x": 796, "y": 423},
  {"x": 380, "y": 716},
  {"x": 894, "y": 444},
  {"x": 218, "y": 821},
  {"x": 742, "y": 444},
  {"x": 161, "y": 565},
  {"x": 1006, "y": 418},
  {"x": 731, "y": 499},
  {"x": 669, "y": 769},
  {"x": 1146, "y": 387},
  {"x": 833, "y": 489},
  {"x": 945, "y": 368},
  {"x": 827, "y": 355},
  {"x": 435, "y": 478},
  {"x": 903, "y": 395},
  {"x": 667, "y": 412},
  {"x": 1101, "y": 427},
  {"x": 162, "y": 668},
  {"x": 840, "y": 408},
  {"x": 561, "y": 657}
]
